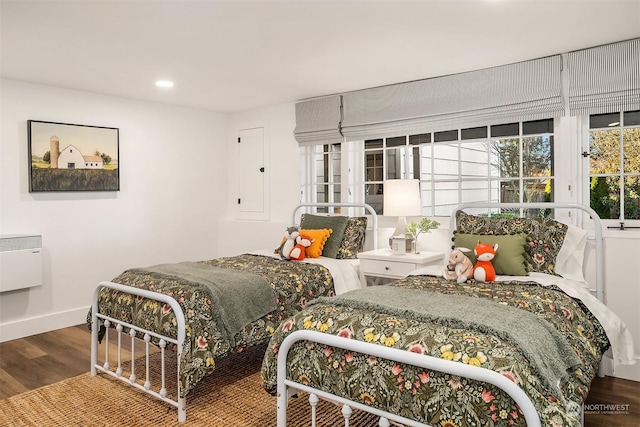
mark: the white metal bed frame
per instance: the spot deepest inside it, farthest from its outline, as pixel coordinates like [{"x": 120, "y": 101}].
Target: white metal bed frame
[
  {"x": 138, "y": 332},
  {"x": 287, "y": 388}
]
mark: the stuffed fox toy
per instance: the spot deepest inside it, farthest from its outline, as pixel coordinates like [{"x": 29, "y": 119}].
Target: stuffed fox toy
[
  {"x": 302, "y": 241},
  {"x": 483, "y": 270}
]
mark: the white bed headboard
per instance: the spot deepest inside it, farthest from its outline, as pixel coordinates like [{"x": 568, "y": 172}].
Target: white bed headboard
[
  {"x": 597, "y": 237},
  {"x": 369, "y": 210}
]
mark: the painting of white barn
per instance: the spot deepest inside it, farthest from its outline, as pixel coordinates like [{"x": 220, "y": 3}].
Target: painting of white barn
[{"x": 89, "y": 160}]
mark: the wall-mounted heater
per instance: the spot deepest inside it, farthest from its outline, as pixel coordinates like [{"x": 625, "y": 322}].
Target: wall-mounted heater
[{"x": 20, "y": 261}]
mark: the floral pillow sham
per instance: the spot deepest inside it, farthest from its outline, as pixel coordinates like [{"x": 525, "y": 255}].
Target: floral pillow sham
[{"x": 545, "y": 236}]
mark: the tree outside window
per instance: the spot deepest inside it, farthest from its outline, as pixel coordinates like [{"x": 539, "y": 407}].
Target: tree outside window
[{"x": 614, "y": 165}]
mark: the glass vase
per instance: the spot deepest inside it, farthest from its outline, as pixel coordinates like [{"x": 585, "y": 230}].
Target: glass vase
[{"x": 415, "y": 246}]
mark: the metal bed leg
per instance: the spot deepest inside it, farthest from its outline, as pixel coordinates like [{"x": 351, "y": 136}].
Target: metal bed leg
[
  {"x": 182, "y": 409},
  {"x": 106, "y": 364},
  {"x": 133, "y": 377},
  {"x": 119, "y": 370},
  {"x": 346, "y": 413},
  {"x": 163, "y": 388},
  {"x": 147, "y": 382},
  {"x": 313, "y": 401}
]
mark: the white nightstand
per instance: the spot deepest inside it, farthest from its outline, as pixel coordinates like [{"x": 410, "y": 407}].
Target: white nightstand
[{"x": 382, "y": 263}]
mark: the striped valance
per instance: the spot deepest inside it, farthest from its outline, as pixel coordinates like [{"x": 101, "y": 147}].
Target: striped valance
[
  {"x": 604, "y": 79},
  {"x": 318, "y": 121},
  {"x": 523, "y": 91}
]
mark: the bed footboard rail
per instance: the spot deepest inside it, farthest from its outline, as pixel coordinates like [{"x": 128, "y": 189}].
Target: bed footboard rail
[
  {"x": 98, "y": 319},
  {"x": 424, "y": 361}
]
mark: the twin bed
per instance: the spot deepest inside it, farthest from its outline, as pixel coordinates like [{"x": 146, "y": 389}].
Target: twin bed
[
  {"x": 420, "y": 351},
  {"x": 205, "y": 310},
  {"x": 424, "y": 350}
]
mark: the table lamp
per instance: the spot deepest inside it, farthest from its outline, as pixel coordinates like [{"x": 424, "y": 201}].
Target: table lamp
[{"x": 402, "y": 199}]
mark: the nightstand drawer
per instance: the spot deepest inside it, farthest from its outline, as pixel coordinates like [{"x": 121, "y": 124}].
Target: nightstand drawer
[{"x": 386, "y": 268}]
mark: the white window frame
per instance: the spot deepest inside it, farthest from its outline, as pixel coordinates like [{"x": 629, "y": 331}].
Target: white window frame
[{"x": 584, "y": 129}]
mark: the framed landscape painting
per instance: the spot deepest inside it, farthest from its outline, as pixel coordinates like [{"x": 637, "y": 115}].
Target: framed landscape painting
[{"x": 68, "y": 157}]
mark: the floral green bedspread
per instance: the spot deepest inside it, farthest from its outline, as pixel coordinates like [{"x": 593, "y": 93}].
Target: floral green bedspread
[
  {"x": 293, "y": 285},
  {"x": 433, "y": 397}
]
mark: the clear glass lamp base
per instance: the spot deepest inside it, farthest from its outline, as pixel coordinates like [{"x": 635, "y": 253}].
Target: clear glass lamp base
[
  {"x": 401, "y": 230},
  {"x": 409, "y": 244}
]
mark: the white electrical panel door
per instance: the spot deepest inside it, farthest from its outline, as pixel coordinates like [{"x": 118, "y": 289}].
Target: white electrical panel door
[{"x": 251, "y": 171}]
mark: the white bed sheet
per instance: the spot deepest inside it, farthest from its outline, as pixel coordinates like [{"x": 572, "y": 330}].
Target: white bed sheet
[
  {"x": 619, "y": 336},
  {"x": 344, "y": 271}
]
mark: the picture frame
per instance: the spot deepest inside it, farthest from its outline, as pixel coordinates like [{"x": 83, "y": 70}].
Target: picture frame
[{"x": 71, "y": 157}]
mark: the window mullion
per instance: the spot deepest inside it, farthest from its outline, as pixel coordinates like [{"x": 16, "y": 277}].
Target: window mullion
[
  {"x": 406, "y": 165},
  {"x": 329, "y": 178},
  {"x": 621, "y": 175},
  {"x": 489, "y": 178},
  {"x": 521, "y": 185}
]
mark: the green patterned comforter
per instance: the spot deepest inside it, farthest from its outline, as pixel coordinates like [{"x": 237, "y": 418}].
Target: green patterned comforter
[
  {"x": 293, "y": 285},
  {"x": 433, "y": 397}
]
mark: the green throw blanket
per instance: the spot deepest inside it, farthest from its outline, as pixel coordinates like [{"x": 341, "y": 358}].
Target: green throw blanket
[
  {"x": 547, "y": 350},
  {"x": 238, "y": 298}
]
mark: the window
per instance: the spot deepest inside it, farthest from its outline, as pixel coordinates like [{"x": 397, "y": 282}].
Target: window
[
  {"x": 323, "y": 179},
  {"x": 384, "y": 159},
  {"x": 502, "y": 163},
  {"x": 614, "y": 165}
]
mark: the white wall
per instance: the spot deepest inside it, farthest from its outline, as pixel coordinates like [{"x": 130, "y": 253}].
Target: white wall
[
  {"x": 166, "y": 210},
  {"x": 282, "y": 163}
]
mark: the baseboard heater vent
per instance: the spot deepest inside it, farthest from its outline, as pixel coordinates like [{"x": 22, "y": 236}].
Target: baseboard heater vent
[{"x": 20, "y": 262}]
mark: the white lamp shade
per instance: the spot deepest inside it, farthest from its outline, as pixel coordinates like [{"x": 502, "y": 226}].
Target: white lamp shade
[{"x": 402, "y": 197}]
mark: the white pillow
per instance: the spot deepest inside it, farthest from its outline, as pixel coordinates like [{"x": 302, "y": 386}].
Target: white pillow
[{"x": 570, "y": 259}]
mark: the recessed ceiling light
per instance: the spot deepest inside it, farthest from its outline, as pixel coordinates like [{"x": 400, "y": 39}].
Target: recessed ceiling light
[
  {"x": 614, "y": 124},
  {"x": 164, "y": 83}
]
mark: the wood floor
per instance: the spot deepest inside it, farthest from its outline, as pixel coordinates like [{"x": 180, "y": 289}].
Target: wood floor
[{"x": 32, "y": 362}]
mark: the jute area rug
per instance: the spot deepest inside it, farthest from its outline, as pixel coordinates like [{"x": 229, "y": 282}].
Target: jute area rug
[{"x": 231, "y": 396}]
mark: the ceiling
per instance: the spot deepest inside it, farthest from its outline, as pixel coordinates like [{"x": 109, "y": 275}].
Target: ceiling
[{"x": 230, "y": 56}]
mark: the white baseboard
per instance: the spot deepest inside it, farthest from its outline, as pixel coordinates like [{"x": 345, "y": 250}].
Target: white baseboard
[{"x": 37, "y": 325}]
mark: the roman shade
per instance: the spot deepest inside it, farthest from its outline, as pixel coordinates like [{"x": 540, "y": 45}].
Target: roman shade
[
  {"x": 604, "y": 79},
  {"x": 526, "y": 90},
  {"x": 318, "y": 121}
]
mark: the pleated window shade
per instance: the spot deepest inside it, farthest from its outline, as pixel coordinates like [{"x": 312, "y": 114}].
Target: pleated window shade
[
  {"x": 318, "y": 121},
  {"x": 604, "y": 79},
  {"x": 528, "y": 90}
]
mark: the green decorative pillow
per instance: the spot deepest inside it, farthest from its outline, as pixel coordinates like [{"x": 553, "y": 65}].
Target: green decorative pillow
[
  {"x": 336, "y": 223},
  {"x": 353, "y": 240},
  {"x": 509, "y": 258},
  {"x": 544, "y": 236}
]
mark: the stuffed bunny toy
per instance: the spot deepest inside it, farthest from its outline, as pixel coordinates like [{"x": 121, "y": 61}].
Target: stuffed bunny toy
[{"x": 459, "y": 267}]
